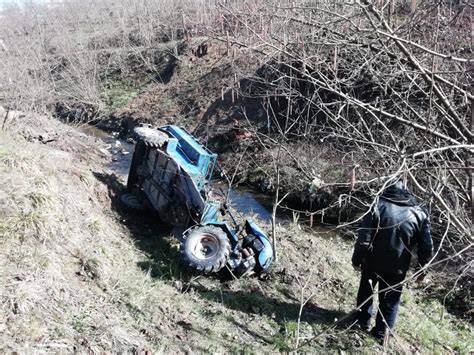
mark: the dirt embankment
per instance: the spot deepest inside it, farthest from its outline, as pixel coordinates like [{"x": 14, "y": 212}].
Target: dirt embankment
[{"x": 78, "y": 273}]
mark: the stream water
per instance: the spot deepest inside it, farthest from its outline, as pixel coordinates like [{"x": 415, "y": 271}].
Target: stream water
[
  {"x": 248, "y": 202},
  {"x": 243, "y": 200}
]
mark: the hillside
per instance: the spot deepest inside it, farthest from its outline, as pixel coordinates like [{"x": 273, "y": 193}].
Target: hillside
[{"x": 316, "y": 105}]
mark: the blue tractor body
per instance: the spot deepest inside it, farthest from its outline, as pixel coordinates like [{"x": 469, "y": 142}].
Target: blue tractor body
[
  {"x": 173, "y": 172},
  {"x": 193, "y": 157}
]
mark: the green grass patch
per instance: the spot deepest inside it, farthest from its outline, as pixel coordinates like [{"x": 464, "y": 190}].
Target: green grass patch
[
  {"x": 428, "y": 324},
  {"x": 284, "y": 339},
  {"x": 119, "y": 94}
]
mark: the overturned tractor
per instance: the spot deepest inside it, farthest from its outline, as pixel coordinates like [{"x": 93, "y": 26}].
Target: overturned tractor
[{"x": 171, "y": 173}]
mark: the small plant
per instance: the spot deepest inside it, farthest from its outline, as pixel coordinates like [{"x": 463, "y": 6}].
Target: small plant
[
  {"x": 39, "y": 199},
  {"x": 78, "y": 324},
  {"x": 41, "y": 182},
  {"x": 95, "y": 226},
  {"x": 27, "y": 223},
  {"x": 295, "y": 222},
  {"x": 90, "y": 267},
  {"x": 42, "y": 260},
  {"x": 283, "y": 340}
]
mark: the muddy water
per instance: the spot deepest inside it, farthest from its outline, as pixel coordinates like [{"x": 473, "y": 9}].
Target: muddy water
[{"x": 244, "y": 201}]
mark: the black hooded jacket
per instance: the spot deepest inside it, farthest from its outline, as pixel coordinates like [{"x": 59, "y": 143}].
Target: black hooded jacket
[{"x": 390, "y": 232}]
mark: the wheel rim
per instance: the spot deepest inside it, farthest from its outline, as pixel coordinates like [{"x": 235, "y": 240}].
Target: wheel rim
[{"x": 204, "y": 246}]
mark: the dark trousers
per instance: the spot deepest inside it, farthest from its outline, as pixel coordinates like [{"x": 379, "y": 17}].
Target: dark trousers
[{"x": 388, "y": 300}]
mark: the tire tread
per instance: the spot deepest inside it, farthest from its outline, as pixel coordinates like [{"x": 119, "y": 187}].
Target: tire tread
[{"x": 211, "y": 265}]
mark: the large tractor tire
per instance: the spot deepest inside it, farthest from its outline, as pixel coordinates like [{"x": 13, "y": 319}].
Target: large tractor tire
[
  {"x": 206, "y": 249},
  {"x": 151, "y": 137}
]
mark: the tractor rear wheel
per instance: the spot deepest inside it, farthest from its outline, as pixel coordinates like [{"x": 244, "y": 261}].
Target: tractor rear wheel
[
  {"x": 206, "y": 249},
  {"x": 151, "y": 137}
]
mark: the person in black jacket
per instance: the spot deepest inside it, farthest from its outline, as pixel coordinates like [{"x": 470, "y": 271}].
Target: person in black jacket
[{"x": 387, "y": 239}]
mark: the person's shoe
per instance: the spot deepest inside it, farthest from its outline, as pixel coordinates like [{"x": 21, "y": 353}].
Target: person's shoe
[{"x": 379, "y": 337}]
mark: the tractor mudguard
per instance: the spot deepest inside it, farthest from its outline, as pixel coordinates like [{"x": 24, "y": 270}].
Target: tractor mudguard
[
  {"x": 265, "y": 256},
  {"x": 209, "y": 215}
]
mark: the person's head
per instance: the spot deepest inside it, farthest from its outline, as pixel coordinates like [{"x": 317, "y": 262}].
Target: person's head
[
  {"x": 398, "y": 194},
  {"x": 396, "y": 185}
]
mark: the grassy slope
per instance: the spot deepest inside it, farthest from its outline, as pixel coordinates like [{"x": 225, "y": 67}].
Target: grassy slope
[{"x": 77, "y": 272}]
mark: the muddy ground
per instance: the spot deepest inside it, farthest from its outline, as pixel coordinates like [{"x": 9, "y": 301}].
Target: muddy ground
[{"x": 80, "y": 273}]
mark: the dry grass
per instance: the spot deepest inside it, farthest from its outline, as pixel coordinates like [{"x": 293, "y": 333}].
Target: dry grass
[{"x": 60, "y": 253}]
